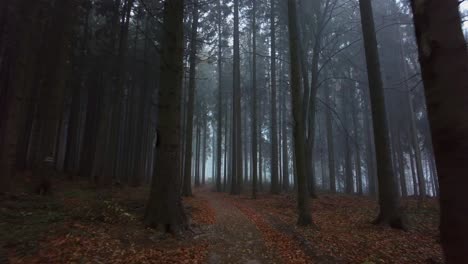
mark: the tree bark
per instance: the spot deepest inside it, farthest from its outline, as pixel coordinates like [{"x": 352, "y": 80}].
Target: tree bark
[
  {"x": 164, "y": 208},
  {"x": 286, "y": 183},
  {"x": 298, "y": 128},
  {"x": 275, "y": 188},
  {"x": 357, "y": 145},
  {"x": 389, "y": 202},
  {"x": 254, "y": 99},
  {"x": 219, "y": 138},
  {"x": 51, "y": 88},
  {"x": 187, "y": 186},
  {"x": 237, "y": 125},
  {"x": 205, "y": 138},
  {"x": 330, "y": 143},
  {"x": 444, "y": 62}
]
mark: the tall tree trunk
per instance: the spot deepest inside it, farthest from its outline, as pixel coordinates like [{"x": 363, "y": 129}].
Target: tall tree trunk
[
  {"x": 298, "y": 129},
  {"x": 357, "y": 146},
  {"x": 11, "y": 47},
  {"x": 164, "y": 207},
  {"x": 414, "y": 131},
  {"x": 284, "y": 135},
  {"x": 389, "y": 202},
  {"x": 72, "y": 158},
  {"x": 330, "y": 143},
  {"x": 205, "y": 138},
  {"x": 143, "y": 101},
  {"x": 245, "y": 148},
  {"x": 417, "y": 150},
  {"x": 370, "y": 153},
  {"x": 198, "y": 150},
  {"x": 236, "y": 113},
  {"x": 254, "y": 99},
  {"x": 187, "y": 186},
  {"x": 93, "y": 112},
  {"x": 348, "y": 171},
  {"x": 14, "y": 44},
  {"x": 312, "y": 97},
  {"x": 260, "y": 156},
  {"x": 434, "y": 176},
  {"x": 116, "y": 139},
  {"x": 444, "y": 62},
  {"x": 227, "y": 143},
  {"x": 52, "y": 87},
  {"x": 401, "y": 164},
  {"x": 413, "y": 171},
  {"x": 275, "y": 188},
  {"x": 219, "y": 138}
]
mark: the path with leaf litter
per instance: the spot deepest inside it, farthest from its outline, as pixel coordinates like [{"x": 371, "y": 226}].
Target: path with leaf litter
[{"x": 234, "y": 238}]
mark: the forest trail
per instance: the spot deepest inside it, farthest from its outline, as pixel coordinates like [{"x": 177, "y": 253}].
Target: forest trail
[
  {"x": 234, "y": 238},
  {"x": 79, "y": 224}
]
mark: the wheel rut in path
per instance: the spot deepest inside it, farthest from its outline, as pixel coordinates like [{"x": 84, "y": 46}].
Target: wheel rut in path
[{"x": 234, "y": 238}]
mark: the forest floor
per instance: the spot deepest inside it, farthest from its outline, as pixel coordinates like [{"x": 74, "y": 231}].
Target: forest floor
[{"x": 81, "y": 224}]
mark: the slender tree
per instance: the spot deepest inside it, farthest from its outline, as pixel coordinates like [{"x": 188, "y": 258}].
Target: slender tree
[
  {"x": 187, "y": 186},
  {"x": 275, "y": 187},
  {"x": 390, "y": 213},
  {"x": 284, "y": 136},
  {"x": 254, "y": 99},
  {"x": 219, "y": 138},
  {"x": 330, "y": 143},
  {"x": 203, "y": 149},
  {"x": 236, "y": 114}
]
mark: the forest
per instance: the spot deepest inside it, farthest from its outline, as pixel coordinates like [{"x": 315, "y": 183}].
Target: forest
[{"x": 234, "y": 131}]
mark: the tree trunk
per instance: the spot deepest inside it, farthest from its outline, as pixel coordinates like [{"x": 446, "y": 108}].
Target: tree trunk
[
  {"x": 143, "y": 110},
  {"x": 298, "y": 128},
  {"x": 413, "y": 171},
  {"x": 14, "y": 44},
  {"x": 275, "y": 188},
  {"x": 390, "y": 213},
  {"x": 417, "y": 150},
  {"x": 330, "y": 143},
  {"x": 285, "y": 166},
  {"x": 197, "y": 151},
  {"x": 254, "y": 100},
  {"x": 219, "y": 138},
  {"x": 51, "y": 88},
  {"x": 227, "y": 143},
  {"x": 164, "y": 207},
  {"x": 357, "y": 146},
  {"x": 444, "y": 62},
  {"x": 187, "y": 186},
  {"x": 237, "y": 125},
  {"x": 348, "y": 171},
  {"x": 370, "y": 153},
  {"x": 401, "y": 164},
  {"x": 205, "y": 138}
]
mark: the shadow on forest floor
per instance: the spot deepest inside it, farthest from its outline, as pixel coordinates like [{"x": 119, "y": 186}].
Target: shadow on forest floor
[{"x": 82, "y": 224}]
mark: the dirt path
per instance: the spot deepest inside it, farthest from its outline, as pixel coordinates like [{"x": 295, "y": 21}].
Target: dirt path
[{"x": 234, "y": 238}]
